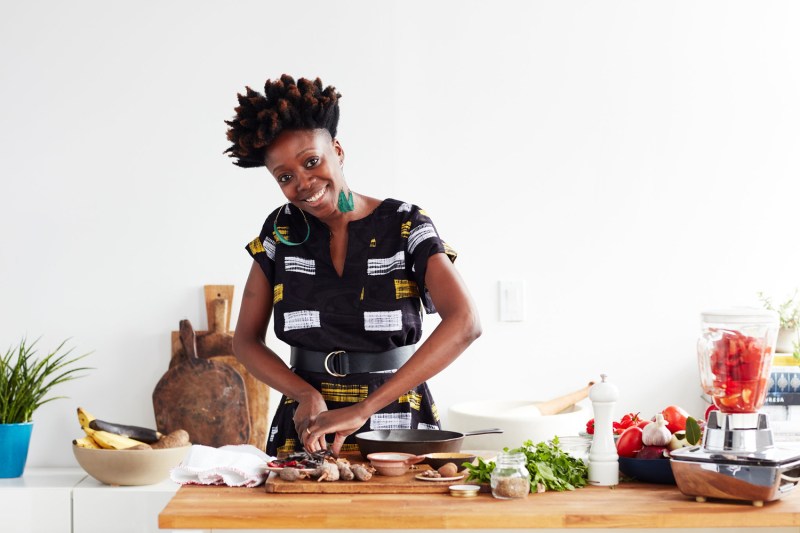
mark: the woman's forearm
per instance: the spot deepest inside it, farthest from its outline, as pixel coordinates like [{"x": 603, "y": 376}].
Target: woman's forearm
[
  {"x": 443, "y": 346},
  {"x": 265, "y": 365}
]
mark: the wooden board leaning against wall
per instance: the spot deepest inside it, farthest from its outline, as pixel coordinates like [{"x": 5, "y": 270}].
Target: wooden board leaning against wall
[{"x": 217, "y": 344}]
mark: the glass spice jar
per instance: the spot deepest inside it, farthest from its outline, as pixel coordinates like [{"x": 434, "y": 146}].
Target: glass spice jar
[{"x": 510, "y": 478}]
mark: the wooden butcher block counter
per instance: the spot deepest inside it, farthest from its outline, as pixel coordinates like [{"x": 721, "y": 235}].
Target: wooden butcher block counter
[{"x": 629, "y": 505}]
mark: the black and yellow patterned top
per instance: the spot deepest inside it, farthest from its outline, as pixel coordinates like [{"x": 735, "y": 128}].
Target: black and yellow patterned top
[{"x": 376, "y": 304}]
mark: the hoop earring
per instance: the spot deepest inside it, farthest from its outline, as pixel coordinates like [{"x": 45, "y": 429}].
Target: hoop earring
[{"x": 283, "y": 239}]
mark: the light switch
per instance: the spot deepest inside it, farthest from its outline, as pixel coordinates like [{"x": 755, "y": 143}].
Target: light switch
[{"x": 512, "y": 301}]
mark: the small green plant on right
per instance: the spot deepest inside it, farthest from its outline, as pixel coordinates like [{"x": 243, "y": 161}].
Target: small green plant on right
[{"x": 789, "y": 315}]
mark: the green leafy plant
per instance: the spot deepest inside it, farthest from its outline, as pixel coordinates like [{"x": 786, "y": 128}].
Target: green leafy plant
[
  {"x": 788, "y": 314},
  {"x": 26, "y": 381}
]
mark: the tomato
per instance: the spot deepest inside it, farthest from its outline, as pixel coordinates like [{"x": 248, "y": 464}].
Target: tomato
[
  {"x": 740, "y": 366},
  {"x": 617, "y": 427},
  {"x": 630, "y": 442},
  {"x": 675, "y": 417}
]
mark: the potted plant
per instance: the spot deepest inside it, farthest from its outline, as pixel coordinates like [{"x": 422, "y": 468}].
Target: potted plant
[
  {"x": 789, "y": 314},
  {"x": 25, "y": 385}
]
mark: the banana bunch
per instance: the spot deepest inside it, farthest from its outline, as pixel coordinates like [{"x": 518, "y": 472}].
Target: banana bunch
[
  {"x": 101, "y": 434},
  {"x": 112, "y": 436}
]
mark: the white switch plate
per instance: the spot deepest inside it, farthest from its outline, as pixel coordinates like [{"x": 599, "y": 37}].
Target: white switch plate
[{"x": 512, "y": 301}]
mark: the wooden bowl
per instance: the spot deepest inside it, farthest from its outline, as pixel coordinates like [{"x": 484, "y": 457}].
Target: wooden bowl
[{"x": 129, "y": 467}]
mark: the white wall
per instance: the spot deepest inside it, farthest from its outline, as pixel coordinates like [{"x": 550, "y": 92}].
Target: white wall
[{"x": 634, "y": 163}]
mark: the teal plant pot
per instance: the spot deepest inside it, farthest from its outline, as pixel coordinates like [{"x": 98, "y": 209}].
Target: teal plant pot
[{"x": 14, "y": 442}]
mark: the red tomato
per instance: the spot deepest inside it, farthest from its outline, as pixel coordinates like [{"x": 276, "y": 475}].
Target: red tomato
[
  {"x": 630, "y": 442},
  {"x": 675, "y": 417},
  {"x": 740, "y": 364},
  {"x": 590, "y": 427}
]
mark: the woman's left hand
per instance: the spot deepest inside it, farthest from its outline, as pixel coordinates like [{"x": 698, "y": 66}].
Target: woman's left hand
[{"x": 342, "y": 422}]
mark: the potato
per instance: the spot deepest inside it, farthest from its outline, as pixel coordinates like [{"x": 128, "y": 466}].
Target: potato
[
  {"x": 176, "y": 439},
  {"x": 448, "y": 470}
]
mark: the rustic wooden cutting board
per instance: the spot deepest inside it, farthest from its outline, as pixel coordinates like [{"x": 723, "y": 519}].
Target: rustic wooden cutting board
[
  {"x": 206, "y": 398},
  {"x": 217, "y": 344},
  {"x": 405, "y": 484}
]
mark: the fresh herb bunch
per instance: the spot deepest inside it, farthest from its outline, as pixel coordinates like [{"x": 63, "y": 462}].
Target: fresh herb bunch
[
  {"x": 554, "y": 468},
  {"x": 26, "y": 381},
  {"x": 547, "y": 464}
]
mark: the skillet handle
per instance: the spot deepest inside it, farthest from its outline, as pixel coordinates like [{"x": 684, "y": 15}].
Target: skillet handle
[{"x": 482, "y": 432}]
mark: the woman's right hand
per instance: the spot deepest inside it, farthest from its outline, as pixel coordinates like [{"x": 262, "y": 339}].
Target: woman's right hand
[{"x": 308, "y": 408}]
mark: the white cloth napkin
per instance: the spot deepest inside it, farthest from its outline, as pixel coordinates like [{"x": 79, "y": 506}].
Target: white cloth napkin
[{"x": 241, "y": 465}]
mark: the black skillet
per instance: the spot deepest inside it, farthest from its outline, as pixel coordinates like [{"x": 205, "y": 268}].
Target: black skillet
[{"x": 415, "y": 441}]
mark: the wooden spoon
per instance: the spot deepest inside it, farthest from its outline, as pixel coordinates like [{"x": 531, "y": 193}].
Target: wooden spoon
[{"x": 554, "y": 406}]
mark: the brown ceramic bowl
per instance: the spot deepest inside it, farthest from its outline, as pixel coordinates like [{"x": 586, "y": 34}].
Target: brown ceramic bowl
[
  {"x": 438, "y": 460},
  {"x": 393, "y": 463},
  {"x": 129, "y": 467}
]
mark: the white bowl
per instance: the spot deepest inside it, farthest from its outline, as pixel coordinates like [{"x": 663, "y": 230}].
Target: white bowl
[
  {"x": 518, "y": 423},
  {"x": 129, "y": 467}
]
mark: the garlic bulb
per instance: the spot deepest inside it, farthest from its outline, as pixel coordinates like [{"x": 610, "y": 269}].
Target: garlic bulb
[{"x": 656, "y": 433}]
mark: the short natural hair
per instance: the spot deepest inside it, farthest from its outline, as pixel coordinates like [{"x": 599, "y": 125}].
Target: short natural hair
[{"x": 285, "y": 105}]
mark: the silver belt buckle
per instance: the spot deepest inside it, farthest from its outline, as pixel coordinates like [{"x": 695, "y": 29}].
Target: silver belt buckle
[{"x": 327, "y": 368}]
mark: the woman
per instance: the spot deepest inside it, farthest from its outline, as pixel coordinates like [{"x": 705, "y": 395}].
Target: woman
[{"x": 346, "y": 276}]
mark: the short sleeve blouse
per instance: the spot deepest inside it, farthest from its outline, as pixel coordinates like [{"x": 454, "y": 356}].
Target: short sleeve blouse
[{"x": 376, "y": 304}]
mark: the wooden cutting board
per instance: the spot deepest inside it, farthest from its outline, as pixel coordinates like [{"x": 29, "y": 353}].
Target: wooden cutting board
[
  {"x": 206, "y": 398},
  {"x": 217, "y": 344},
  {"x": 405, "y": 484}
]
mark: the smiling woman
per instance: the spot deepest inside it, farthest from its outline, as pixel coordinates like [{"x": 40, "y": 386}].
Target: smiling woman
[{"x": 345, "y": 276}]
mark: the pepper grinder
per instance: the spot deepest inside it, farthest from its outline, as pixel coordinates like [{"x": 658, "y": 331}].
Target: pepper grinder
[{"x": 603, "y": 458}]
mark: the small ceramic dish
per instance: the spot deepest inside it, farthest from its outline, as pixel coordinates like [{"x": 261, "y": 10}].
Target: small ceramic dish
[
  {"x": 464, "y": 491},
  {"x": 393, "y": 463},
  {"x": 422, "y": 477},
  {"x": 438, "y": 460}
]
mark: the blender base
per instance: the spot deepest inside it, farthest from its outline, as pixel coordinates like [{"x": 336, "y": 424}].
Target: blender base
[{"x": 756, "y": 478}]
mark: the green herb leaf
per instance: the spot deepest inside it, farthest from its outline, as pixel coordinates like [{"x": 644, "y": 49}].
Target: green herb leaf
[{"x": 693, "y": 431}]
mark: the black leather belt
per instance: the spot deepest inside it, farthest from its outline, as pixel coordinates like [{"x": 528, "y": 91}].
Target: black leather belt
[{"x": 340, "y": 363}]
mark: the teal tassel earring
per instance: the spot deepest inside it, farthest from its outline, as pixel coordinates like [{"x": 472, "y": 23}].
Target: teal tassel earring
[{"x": 346, "y": 203}]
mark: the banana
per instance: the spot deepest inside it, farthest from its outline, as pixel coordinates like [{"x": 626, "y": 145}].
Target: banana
[
  {"x": 86, "y": 442},
  {"x": 111, "y": 441},
  {"x": 84, "y": 418}
]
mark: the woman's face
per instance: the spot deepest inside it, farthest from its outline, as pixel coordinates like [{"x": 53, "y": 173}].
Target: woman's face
[{"x": 307, "y": 164}]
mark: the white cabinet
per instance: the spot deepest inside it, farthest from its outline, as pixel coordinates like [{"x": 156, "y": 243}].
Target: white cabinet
[
  {"x": 40, "y": 501},
  {"x": 99, "y": 508}
]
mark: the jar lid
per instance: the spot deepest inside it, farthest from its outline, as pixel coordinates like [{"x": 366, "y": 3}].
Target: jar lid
[{"x": 741, "y": 315}]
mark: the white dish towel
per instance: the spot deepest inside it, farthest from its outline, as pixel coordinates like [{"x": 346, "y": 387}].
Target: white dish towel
[{"x": 241, "y": 465}]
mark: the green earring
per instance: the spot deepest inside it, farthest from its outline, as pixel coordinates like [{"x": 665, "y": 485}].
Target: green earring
[
  {"x": 283, "y": 239},
  {"x": 346, "y": 203}
]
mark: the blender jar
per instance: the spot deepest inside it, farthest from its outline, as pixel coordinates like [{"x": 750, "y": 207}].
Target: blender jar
[{"x": 735, "y": 356}]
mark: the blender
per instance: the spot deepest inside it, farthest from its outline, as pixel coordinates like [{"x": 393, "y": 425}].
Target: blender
[{"x": 737, "y": 459}]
